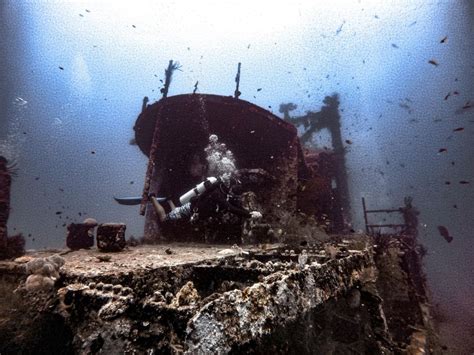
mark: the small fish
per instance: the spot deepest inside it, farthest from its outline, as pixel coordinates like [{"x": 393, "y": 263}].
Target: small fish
[
  {"x": 61, "y": 68},
  {"x": 445, "y": 233},
  {"x": 459, "y": 129},
  {"x": 464, "y": 182},
  {"x": 455, "y": 206},
  {"x": 406, "y": 107},
  {"x": 93, "y": 152},
  {"x": 259, "y": 89},
  {"x": 441, "y": 150},
  {"x": 348, "y": 141},
  {"x": 81, "y": 15},
  {"x": 433, "y": 62},
  {"x": 447, "y": 96},
  {"x": 467, "y": 105},
  {"x": 134, "y": 26},
  {"x": 445, "y": 38},
  {"x": 376, "y": 16},
  {"x": 59, "y": 212},
  {"x": 447, "y": 182},
  {"x": 455, "y": 92},
  {"x": 394, "y": 45},
  {"x": 88, "y": 10},
  {"x": 248, "y": 47},
  {"x": 340, "y": 28}
]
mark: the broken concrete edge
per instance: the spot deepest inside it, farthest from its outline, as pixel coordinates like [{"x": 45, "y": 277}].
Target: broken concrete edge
[{"x": 239, "y": 316}]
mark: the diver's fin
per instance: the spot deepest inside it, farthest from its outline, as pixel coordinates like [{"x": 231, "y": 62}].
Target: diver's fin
[{"x": 131, "y": 201}]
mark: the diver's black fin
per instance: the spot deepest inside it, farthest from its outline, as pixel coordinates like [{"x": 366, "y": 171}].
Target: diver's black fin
[{"x": 132, "y": 201}]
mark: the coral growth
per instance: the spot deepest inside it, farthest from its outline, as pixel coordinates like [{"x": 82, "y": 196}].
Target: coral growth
[{"x": 43, "y": 273}]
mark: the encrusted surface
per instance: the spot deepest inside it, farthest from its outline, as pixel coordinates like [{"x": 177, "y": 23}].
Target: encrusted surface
[
  {"x": 240, "y": 316},
  {"x": 88, "y": 263},
  {"x": 215, "y": 299}
]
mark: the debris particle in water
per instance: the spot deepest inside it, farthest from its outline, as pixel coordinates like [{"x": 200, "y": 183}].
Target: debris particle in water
[
  {"x": 445, "y": 233},
  {"x": 467, "y": 105}
]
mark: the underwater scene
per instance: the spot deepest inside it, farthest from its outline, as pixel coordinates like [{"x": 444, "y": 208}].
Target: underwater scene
[{"x": 213, "y": 177}]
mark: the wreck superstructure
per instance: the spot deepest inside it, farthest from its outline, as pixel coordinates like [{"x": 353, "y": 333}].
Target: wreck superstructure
[{"x": 174, "y": 131}]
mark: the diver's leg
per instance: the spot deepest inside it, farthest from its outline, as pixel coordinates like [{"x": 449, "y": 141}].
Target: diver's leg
[
  {"x": 181, "y": 212},
  {"x": 160, "y": 211}
]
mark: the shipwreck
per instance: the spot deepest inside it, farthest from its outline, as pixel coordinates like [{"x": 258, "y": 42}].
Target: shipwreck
[{"x": 316, "y": 287}]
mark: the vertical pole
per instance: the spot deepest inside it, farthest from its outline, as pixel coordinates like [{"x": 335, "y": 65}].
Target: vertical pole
[
  {"x": 365, "y": 216},
  {"x": 168, "y": 75},
  {"x": 237, "y": 81},
  {"x": 144, "y": 103},
  {"x": 151, "y": 164}
]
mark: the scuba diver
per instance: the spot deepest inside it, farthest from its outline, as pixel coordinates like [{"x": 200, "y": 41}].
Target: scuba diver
[
  {"x": 214, "y": 196},
  {"x": 209, "y": 199}
]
